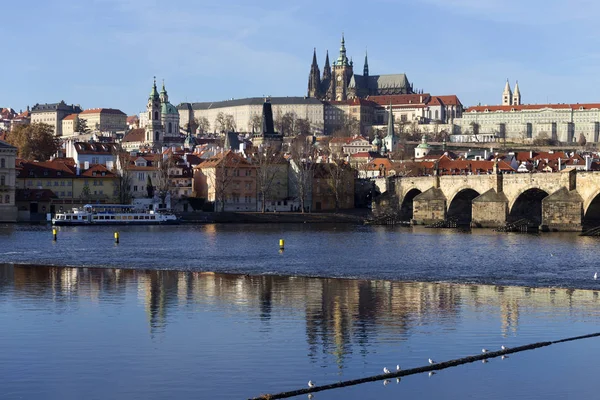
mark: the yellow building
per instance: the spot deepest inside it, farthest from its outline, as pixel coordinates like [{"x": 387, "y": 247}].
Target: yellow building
[
  {"x": 8, "y": 211},
  {"x": 68, "y": 125},
  {"x": 105, "y": 119},
  {"x": 53, "y": 114},
  {"x": 96, "y": 184}
]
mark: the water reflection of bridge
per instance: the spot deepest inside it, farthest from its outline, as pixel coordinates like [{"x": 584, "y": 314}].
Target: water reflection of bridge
[{"x": 342, "y": 315}]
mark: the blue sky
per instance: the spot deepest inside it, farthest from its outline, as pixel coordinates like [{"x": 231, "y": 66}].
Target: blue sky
[{"x": 104, "y": 53}]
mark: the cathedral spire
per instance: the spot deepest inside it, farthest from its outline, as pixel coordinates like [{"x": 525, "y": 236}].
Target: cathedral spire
[
  {"x": 314, "y": 78},
  {"x": 342, "y": 59},
  {"x": 390, "y": 127},
  {"x": 366, "y": 68},
  {"x": 326, "y": 68}
]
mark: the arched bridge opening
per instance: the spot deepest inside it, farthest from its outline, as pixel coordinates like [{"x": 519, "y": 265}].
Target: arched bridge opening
[
  {"x": 528, "y": 206},
  {"x": 406, "y": 208},
  {"x": 461, "y": 207},
  {"x": 591, "y": 218}
]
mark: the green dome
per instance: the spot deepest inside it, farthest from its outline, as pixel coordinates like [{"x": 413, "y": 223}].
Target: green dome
[
  {"x": 424, "y": 144},
  {"x": 168, "y": 108}
]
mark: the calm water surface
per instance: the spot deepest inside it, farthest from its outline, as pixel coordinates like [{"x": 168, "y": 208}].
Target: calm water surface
[{"x": 152, "y": 323}]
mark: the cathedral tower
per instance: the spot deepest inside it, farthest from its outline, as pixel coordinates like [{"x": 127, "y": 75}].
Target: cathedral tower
[
  {"x": 154, "y": 128},
  {"x": 516, "y": 99},
  {"x": 314, "y": 78},
  {"x": 342, "y": 72},
  {"x": 507, "y": 95},
  {"x": 326, "y": 81},
  {"x": 366, "y": 67}
]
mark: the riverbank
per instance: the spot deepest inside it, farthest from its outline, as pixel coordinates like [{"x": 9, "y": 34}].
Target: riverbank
[{"x": 349, "y": 217}]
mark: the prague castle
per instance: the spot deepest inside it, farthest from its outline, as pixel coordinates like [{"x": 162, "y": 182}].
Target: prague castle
[{"x": 339, "y": 82}]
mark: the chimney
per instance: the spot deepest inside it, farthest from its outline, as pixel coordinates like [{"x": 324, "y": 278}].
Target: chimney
[
  {"x": 559, "y": 164},
  {"x": 86, "y": 165},
  {"x": 588, "y": 162}
]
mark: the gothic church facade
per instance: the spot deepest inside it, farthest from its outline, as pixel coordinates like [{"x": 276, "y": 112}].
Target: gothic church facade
[{"x": 339, "y": 82}]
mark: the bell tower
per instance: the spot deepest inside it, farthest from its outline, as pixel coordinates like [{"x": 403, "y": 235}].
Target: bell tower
[
  {"x": 314, "y": 78},
  {"x": 507, "y": 94},
  {"x": 342, "y": 72},
  {"x": 154, "y": 129},
  {"x": 516, "y": 101}
]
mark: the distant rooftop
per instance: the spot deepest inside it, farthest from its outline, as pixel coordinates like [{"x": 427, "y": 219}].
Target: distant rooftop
[{"x": 258, "y": 101}]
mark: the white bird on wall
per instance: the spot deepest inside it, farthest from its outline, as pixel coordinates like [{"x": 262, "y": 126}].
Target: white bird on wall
[
  {"x": 596, "y": 275},
  {"x": 385, "y": 370},
  {"x": 484, "y": 351},
  {"x": 397, "y": 367},
  {"x": 431, "y": 361},
  {"x": 311, "y": 384}
]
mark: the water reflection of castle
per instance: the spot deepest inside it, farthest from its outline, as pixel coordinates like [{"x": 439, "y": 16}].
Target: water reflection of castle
[{"x": 341, "y": 315}]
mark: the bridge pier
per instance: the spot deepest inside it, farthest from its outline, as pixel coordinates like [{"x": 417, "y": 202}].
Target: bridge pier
[
  {"x": 490, "y": 210},
  {"x": 562, "y": 211},
  {"x": 429, "y": 207}
]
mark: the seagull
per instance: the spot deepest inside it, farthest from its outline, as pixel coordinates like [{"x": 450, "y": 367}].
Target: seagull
[
  {"x": 503, "y": 357},
  {"x": 484, "y": 351},
  {"x": 503, "y": 347},
  {"x": 386, "y": 382},
  {"x": 385, "y": 370},
  {"x": 311, "y": 384},
  {"x": 431, "y": 373},
  {"x": 596, "y": 275},
  {"x": 397, "y": 367},
  {"x": 431, "y": 361}
]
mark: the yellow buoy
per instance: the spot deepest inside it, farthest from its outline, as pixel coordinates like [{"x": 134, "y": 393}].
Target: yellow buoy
[
  {"x": 116, "y": 237},
  {"x": 54, "y": 234},
  {"x": 281, "y": 244}
]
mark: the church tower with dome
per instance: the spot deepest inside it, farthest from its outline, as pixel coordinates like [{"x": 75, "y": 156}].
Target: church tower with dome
[{"x": 161, "y": 120}]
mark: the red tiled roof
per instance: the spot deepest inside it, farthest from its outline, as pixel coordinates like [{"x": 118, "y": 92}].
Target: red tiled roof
[
  {"x": 577, "y": 106},
  {"x": 135, "y": 135},
  {"x": 132, "y": 119},
  {"x": 70, "y": 117},
  {"x": 44, "y": 195},
  {"x": 94, "y": 148},
  {"x": 45, "y": 169},
  {"x": 103, "y": 111},
  {"x": 398, "y": 99},
  {"x": 232, "y": 159},
  {"x": 100, "y": 172}
]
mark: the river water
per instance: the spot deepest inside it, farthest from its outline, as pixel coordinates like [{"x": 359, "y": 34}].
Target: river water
[{"x": 217, "y": 311}]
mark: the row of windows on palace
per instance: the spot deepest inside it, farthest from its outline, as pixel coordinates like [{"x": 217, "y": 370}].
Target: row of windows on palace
[{"x": 66, "y": 183}]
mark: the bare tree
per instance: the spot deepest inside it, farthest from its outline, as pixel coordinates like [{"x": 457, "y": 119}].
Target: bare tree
[
  {"x": 302, "y": 127},
  {"x": 288, "y": 120},
  {"x": 303, "y": 168},
  {"x": 163, "y": 177},
  {"x": 266, "y": 159},
  {"x": 220, "y": 122},
  {"x": 350, "y": 127},
  {"x": 230, "y": 125},
  {"x": 203, "y": 125},
  {"x": 336, "y": 171},
  {"x": 582, "y": 140},
  {"x": 224, "y": 169},
  {"x": 254, "y": 124},
  {"x": 122, "y": 190}
]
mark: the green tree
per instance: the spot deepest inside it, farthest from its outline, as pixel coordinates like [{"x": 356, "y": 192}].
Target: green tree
[
  {"x": 35, "y": 141},
  {"x": 81, "y": 126}
]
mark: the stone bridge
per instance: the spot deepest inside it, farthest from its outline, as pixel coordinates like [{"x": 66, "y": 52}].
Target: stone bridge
[{"x": 565, "y": 201}]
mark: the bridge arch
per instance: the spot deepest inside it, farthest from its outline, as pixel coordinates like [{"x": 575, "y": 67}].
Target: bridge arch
[
  {"x": 406, "y": 206},
  {"x": 591, "y": 211},
  {"x": 528, "y": 204},
  {"x": 461, "y": 205}
]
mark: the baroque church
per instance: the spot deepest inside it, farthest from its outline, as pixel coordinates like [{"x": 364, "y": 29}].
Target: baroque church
[
  {"x": 339, "y": 82},
  {"x": 161, "y": 122}
]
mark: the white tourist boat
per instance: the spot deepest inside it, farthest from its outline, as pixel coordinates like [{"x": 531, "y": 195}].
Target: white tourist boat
[{"x": 112, "y": 214}]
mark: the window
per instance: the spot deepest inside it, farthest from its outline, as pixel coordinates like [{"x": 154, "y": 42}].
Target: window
[
  {"x": 30, "y": 183},
  {"x": 170, "y": 127},
  {"x": 141, "y": 176},
  {"x": 135, "y": 188},
  {"x": 156, "y": 136},
  {"x": 2, "y": 180},
  {"x": 156, "y": 115},
  {"x": 69, "y": 194},
  {"x": 62, "y": 183},
  {"x": 7, "y": 198},
  {"x": 55, "y": 183},
  {"x": 2, "y": 163}
]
